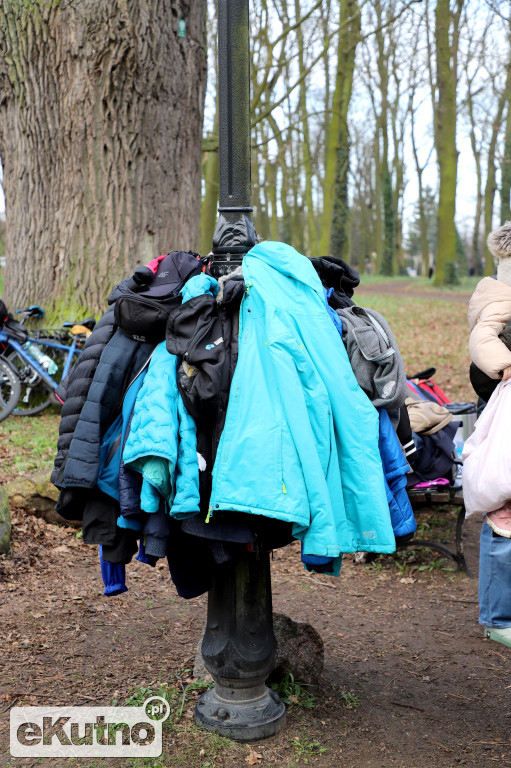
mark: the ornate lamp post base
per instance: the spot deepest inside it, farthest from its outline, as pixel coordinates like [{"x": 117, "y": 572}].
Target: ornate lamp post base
[
  {"x": 239, "y": 652},
  {"x": 249, "y": 719}
]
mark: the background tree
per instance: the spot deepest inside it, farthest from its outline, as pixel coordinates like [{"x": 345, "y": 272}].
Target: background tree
[
  {"x": 335, "y": 199},
  {"x": 422, "y": 230},
  {"x": 447, "y": 28},
  {"x": 101, "y": 110}
]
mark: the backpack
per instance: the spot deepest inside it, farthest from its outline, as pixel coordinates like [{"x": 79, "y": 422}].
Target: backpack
[
  {"x": 435, "y": 457},
  {"x": 422, "y": 384}
]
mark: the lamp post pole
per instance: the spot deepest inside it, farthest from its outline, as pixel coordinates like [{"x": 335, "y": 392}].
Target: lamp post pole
[
  {"x": 234, "y": 233},
  {"x": 239, "y": 645}
]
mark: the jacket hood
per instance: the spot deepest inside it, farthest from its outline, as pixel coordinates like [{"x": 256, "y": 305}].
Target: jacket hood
[
  {"x": 124, "y": 287},
  {"x": 488, "y": 291},
  {"x": 335, "y": 273},
  {"x": 198, "y": 286},
  {"x": 289, "y": 262}
]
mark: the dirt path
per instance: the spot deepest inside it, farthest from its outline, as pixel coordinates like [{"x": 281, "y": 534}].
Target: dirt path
[
  {"x": 409, "y": 681},
  {"x": 407, "y": 288}
]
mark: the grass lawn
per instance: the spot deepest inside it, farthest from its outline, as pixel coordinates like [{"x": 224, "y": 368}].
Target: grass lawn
[
  {"x": 420, "y": 283},
  {"x": 27, "y": 444}
]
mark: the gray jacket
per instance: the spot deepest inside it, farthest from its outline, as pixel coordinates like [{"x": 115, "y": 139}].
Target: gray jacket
[{"x": 375, "y": 358}]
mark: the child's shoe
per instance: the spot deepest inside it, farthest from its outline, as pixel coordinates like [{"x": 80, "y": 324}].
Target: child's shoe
[
  {"x": 500, "y": 520},
  {"x": 500, "y": 635}
]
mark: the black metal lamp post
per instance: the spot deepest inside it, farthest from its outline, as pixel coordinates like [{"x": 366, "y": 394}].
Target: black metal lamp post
[
  {"x": 234, "y": 233},
  {"x": 239, "y": 645}
]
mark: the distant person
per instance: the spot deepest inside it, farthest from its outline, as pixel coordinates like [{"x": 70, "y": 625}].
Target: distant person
[
  {"x": 431, "y": 271},
  {"x": 488, "y": 315}
]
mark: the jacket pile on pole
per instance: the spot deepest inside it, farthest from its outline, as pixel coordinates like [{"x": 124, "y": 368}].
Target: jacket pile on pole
[{"x": 204, "y": 417}]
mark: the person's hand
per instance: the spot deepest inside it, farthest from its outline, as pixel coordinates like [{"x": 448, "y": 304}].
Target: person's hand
[{"x": 506, "y": 373}]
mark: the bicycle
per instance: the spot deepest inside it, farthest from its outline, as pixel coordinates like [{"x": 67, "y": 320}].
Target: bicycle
[
  {"x": 41, "y": 361},
  {"x": 10, "y": 389}
]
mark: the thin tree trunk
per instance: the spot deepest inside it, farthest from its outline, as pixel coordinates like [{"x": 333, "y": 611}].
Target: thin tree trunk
[
  {"x": 209, "y": 207},
  {"x": 282, "y": 182},
  {"x": 479, "y": 209},
  {"x": 311, "y": 236},
  {"x": 338, "y": 143},
  {"x": 388, "y": 230},
  {"x": 445, "y": 131},
  {"x": 422, "y": 217},
  {"x": 491, "y": 183},
  {"x": 272, "y": 196},
  {"x": 378, "y": 198},
  {"x": 505, "y": 169}
]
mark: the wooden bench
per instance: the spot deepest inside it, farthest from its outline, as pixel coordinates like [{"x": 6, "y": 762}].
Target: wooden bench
[{"x": 453, "y": 495}]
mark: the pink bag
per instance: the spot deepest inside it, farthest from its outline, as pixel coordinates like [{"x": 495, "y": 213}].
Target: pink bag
[{"x": 487, "y": 455}]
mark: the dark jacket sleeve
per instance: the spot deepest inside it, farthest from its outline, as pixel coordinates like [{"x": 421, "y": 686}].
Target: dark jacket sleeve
[
  {"x": 73, "y": 390},
  {"x": 120, "y": 360}
]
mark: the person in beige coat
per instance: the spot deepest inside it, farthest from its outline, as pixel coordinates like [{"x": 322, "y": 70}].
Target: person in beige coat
[
  {"x": 490, "y": 309},
  {"x": 488, "y": 312}
]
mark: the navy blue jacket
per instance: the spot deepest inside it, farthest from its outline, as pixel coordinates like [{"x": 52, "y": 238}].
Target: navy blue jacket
[{"x": 395, "y": 469}]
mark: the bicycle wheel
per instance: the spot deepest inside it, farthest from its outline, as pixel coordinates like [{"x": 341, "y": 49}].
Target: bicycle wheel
[
  {"x": 10, "y": 389},
  {"x": 35, "y": 395}
]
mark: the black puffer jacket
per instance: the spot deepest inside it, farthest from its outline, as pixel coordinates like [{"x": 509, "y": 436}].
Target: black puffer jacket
[
  {"x": 73, "y": 390},
  {"x": 121, "y": 360}
]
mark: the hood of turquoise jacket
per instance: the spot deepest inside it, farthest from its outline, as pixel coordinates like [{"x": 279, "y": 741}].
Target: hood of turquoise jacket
[
  {"x": 198, "y": 286},
  {"x": 300, "y": 441}
]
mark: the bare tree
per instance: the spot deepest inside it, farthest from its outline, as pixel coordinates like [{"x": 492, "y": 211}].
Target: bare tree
[{"x": 447, "y": 30}]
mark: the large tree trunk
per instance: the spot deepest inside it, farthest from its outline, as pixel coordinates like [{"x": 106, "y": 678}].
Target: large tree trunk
[{"x": 101, "y": 108}]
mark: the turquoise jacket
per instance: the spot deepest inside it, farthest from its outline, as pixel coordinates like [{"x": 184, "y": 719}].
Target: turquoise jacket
[
  {"x": 300, "y": 441},
  {"x": 162, "y": 442}
]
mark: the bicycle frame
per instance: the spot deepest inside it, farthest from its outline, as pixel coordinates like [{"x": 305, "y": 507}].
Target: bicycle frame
[{"x": 25, "y": 355}]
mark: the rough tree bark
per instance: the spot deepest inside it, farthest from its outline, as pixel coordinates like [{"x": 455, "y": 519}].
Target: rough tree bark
[{"x": 101, "y": 108}]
